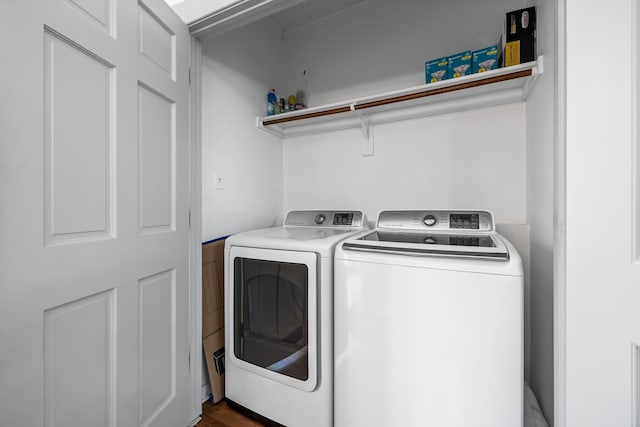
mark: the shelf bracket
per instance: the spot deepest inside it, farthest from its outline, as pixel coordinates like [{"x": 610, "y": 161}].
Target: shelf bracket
[
  {"x": 365, "y": 125},
  {"x": 364, "y": 121},
  {"x": 367, "y": 132},
  {"x": 275, "y": 132}
]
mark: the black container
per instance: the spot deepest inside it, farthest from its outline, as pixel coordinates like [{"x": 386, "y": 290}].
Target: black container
[{"x": 520, "y": 46}]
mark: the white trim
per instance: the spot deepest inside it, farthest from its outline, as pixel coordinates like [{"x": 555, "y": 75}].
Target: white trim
[
  {"x": 635, "y": 186},
  {"x": 195, "y": 422},
  {"x": 560, "y": 245},
  {"x": 635, "y": 154},
  {"x": 635, "y": 384},
  {"x": 195, "y": 229},
  {"x": 205, "y": 392},
  {"x": 236, "y": 15}
]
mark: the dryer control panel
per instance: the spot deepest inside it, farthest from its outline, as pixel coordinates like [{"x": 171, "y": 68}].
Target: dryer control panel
[
  {"x": 436, "y": 220},
  {"x": 341, "y": 219}
]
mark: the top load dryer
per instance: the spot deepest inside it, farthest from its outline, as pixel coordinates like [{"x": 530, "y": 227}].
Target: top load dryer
[
  {"x": 279, "y": 317},
  {"x": 429, "y": 323}
]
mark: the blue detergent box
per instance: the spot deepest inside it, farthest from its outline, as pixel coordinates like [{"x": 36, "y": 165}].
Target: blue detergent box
[
  {"x": 485, "y": 59},
  {"x": 459, "y": 65},
  {"x": 436, "y": 70}
]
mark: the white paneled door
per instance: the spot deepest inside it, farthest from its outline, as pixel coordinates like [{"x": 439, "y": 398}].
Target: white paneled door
[{"x": 94, "y": 214}]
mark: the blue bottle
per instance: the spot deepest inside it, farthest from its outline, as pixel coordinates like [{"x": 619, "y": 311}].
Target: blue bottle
[{"x": 272, "y": 99}]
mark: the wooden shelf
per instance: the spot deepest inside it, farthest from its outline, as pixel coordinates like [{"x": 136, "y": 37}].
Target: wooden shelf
[{"x": 495, "y": 87}]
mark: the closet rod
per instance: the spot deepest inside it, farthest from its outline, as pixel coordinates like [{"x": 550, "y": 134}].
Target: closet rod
[
  {"x": 328, "y": 112},
  {"x": 425, "y": 93}
]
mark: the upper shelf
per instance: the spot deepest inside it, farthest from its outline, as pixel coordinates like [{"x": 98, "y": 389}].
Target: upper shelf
[{"x": 495, "y": 87}]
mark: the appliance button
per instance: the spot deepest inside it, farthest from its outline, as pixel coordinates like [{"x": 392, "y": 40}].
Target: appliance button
[{"x": 429, "y": 220}]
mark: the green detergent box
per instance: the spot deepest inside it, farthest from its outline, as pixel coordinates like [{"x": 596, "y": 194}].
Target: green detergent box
[
  {"x": 459, "y": 65},
  {"x": 436, "y": 70},
  {"x": 484, "y": 59}
]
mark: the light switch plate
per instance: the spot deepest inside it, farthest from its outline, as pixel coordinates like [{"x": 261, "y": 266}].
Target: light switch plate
[{"x": 219, "y": 178}]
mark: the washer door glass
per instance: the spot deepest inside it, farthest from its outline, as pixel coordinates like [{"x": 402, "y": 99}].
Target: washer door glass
[{"x": 271, "y": 315}]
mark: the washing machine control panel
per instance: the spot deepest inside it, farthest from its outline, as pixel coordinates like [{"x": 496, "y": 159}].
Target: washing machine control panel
[
  {"x": 340, "y": 219},
  {"x": 470, "y": 221},
  {"x": 439, "y": 220}
]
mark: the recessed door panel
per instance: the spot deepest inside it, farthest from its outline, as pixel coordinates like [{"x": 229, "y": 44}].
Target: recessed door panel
[
  {"x": 157, "y": 344},
  {"x": 156, "y": 160},
  {"x": 79, "y": 141},
  {"x": 99, "y": 12},
  {"x": 79, "y": 348},
  {"x": 157, "y": 41}
]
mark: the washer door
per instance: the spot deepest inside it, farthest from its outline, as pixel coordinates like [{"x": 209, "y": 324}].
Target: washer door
[{"x": 273, "y": 318}]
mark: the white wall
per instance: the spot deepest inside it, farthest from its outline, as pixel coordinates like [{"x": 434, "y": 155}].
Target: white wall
[
  {"x": 450, "y": 161},
  {"x": 540, "y": 209},
  {"x": 238, "y": 70}
]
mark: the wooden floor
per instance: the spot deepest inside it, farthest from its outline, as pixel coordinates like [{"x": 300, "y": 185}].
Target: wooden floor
[{"x": 220, "y": 415}]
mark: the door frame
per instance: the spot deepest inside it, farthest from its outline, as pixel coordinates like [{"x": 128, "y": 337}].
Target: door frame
[
  {"x": 560, "y": 244},
  {"x": 195, "y": 230},
  {"x": 560, "y": 283}
]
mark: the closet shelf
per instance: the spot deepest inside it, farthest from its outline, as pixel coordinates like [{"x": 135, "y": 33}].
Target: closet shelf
[{"x": 495, "y": 87}]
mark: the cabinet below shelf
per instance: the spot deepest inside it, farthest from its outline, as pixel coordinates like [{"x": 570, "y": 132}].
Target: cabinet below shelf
[{"x": 495, "y": 87}]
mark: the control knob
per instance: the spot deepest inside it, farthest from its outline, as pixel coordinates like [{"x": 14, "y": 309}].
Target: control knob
[
  {"x": 429, "y": 220},
  {"x": 320, "y": 218}
]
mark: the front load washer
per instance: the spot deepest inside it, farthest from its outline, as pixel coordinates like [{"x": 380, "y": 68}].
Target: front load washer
[
  {"x": 279, "y": 317},
  {"x": 428, "y": 323}
]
